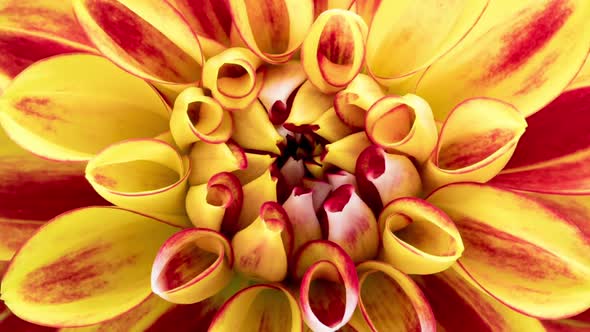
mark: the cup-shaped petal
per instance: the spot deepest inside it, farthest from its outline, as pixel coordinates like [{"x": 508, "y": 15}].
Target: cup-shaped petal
[
  {"x": 417, "y": 237},
  {"x": 144, "y": 175},
  {"x": 82, "y": 110},
  {"x": 476, "y": 142},
  {"x": 391, "y": 301},
  {"x": 403, "y": 124},
  {"x": 273, "y": 29},
  {"x": 329, "y": 289},
  {"x": 345, "y": 152},
  {"x": 259, "y": 308},
  {"x": 262, "y": 249},
  {"x": 217, "y": 204},
  {"x": 84, "y": 267},
  {"x": 209, "y": 159},
  {"x": 351, "y": 104},
  {"x": 333, "y": 51},
  {"x": 253, "y": 129},
  {"x": 540, "y": 269},
  {"x": 383, "y": 177},
  {"x": 309, "y": 104},
  {"x": 148, "y": 38},
  {"x": 198, "y": 117},
  {"x": 192, "y": 265},
  {"x": 234, "y": 77},
  {"x": 280, "y": 84},
  {"x": 304, "y": 221},
  {"x": 351, "y": 223}
]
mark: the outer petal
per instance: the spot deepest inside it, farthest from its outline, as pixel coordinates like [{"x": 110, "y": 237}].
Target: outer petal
[
  {"x": 417, "y": 32},
  {"x": 84, "y": 267},
  {"x": 538, "y": 47},
  {"x": 82, "y": 111},
  {"x": 476, "y": 142},
  {"x": 148, "y": 38},
  {"x": 417, "y": 237},
  {"x": 259, "y": 308},
  {"x": 523, "y": 265},
  {"x": 253, "y": 129},
  {"x": 280, "y": 83},
  {"x": 273, "y": 29},
  {"x": 391, "y": 301},
  {"x": 329, "y": 289},
  {"x": 345, "y": 152},
  {"x": 554, "y": 153}
]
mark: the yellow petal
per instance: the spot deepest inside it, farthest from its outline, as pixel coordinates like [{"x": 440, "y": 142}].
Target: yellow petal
[
  {"x": 82, "y": 111},
  {"x": 333, "y": 51},
  {"x": 84, "y": 267},
  {"x": 148, "y": 176},
  {"x": 330, "y": 127},
  {"x": 209, "y": 159},
  {"x": 345, "y": 152},
  {"x": 261, "y": 189},
  {"x": 582, "y": 79},
  {"x": 515, "y": 53},
  {"x": 351, "y": 104},
  {"x": 476, "y": 142},
  {"x": 253, "y": 129},
  {"x": 309, "y": 104},
  {"x": 148, "y": 38}
]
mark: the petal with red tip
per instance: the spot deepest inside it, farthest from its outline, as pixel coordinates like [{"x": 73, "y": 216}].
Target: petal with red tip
[
  {"x": 257, "y": 165},
  {"x": 515, "y": 53},
  {"x": 300, "y": 210},
  {"x": 259, "y": 190},
  {"x": 192, "y": 266},
  {"x": 144, "y": 175},
  {"x": 341, "y": 178},
  {"x": 403, "y": 124},
  {"x": 253, "y": 129},
  {"x": 407, "y": 36},
  {"x": 333, "y": 51},
  {"x": 525, "y": 266},
  {"x": 224, "y": 157},
  {"x": 149, "y": 38},
  {"x": 476, "y": 142},
  {"x": 553, "y": 154},
  {"x": 418, "y": 238},
  {"x": 280, "y": 82},
  {"x": 84, "y": 267},
  {"x": 309, "y": 104},
  {"x": 391, "y": 301},
  {"x": 82, "y": 110},
  {"x": 273, "y": 29},
  {"x": 320, "y": 189},
  {"x": 351, "y": 104},
  {"x": 259, "y": 308},
  {"x": 345, "y": 152}
]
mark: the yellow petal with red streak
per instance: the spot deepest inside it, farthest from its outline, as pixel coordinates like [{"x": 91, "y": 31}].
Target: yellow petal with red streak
[
  {"x": 148, "y": 38},
  {"x": 352, "y": 103},
  {"x": 84, "y": 267},
  {"x": 344, "y": 153},
  {"x": 523, "y": 265},
  {"x": 82, "y": 110},
  {"x": 253, "y": 129},
  {"x": 524, "y": 54},
  {"x": 147, "y": 176},
  {"x": 476, "y": 142}
]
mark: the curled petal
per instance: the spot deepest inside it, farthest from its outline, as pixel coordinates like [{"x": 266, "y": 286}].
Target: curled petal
[
  {"x": 304, "y": 221},
  {"x": 149, "y": 39},
  {"x": 259, "y": 190},
  {"x": 351, "y": 104},
  {"x": 309, "y": 104},
  {"x": 234, "y": 77},
  {"x": 417, "y": 33},
  {"x": 476, "y": 142},
  {"x": 58, "y": 121},
  {"x": 192, "y": 265},
  {"x": 329, "y": 289},
  {"x": 383, "y": 177},
  {"x": 280, "y": 82},
  {"x": 198, "y": 117},
  {"x": 330, "y": 127},
  {"x": 333, "y": 51},
  {"x": 391, "y": 301},
  {"x": 403, "y": 124},
  {"x": 553, "y": 154},
  {"x": 84, "y": 267},
  {"x": 263, "y": 308},
  {"x": 262, "y": 249},
  {"x": 144, "y": 175},
  {"x": 345, "y": 152},
  {"x": 273, "y": 29},
  {"x": 351, "y": 224},
  {"x": 418, "y": 238},
  {"x": 224, "y": 157},
  {"x": 217, "y": 204},
  {"x": 548, "y": 275},
  {"x": 253, "y": 129},
  {"x": 527, "y": 66}
]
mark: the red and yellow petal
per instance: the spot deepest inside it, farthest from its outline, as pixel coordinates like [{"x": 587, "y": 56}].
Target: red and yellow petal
[
  {"x": 280, "y": 84},
  {"x": 82, "y": 110},
  {"x": 523, "y": 265},
  {"x": 223, "y": 157},
  {"x": 345, "y": 152},
  {"x": 520, "y": 53},
  {"x": 259, "y": 190},
  {"x": 84, "y": 267},
  {"x": 149, "y": 39}
]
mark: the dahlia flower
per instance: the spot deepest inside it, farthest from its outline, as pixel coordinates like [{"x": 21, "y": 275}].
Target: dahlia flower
[{"x": 291, "y": 165}]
